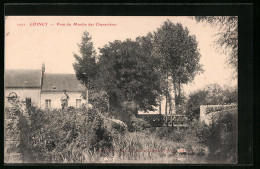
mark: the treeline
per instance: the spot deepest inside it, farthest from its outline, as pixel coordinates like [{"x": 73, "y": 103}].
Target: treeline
[{"x": 134, "y": 75}]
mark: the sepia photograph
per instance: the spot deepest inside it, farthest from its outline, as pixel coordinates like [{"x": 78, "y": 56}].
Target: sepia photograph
[{"x": 121, "y": 89}]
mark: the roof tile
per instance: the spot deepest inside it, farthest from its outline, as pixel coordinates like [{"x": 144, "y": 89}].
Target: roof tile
[
  {"x": 23, "y": 78},
  {"x": 60, "y": 82}
]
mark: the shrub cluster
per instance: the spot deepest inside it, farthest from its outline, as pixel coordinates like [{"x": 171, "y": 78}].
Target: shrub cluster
[
  {"x": 16, "y": 132},
  {"x": 12, "y": 133},
  {"x": 221, "y": 136},
  {"x": 138, "y": 124},
  {"x": 74, "y": 136},
  {"x": 187, "y": 138},
  {"x": 88, "y": 136}
]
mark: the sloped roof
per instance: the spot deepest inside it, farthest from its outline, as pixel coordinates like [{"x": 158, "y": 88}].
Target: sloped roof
[
  {"x": 23, "y": 78},
  {"x": 60, "y": 82}
]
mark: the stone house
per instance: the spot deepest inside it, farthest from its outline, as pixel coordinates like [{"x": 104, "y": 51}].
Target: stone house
[
  {"x": 53, "y": 86},
  {"x": 36, "y": 88},
  {"x": 25, "y": 84}
]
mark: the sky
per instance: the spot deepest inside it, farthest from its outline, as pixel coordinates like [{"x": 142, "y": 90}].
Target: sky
[{"x": 32, "y": 40}]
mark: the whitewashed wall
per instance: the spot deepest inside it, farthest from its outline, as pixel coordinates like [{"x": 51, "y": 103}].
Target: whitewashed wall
[
  {"x": 55, "y": 99},
  {"x": 203, "y": 116},
  {"x": 34, "y": 94}
]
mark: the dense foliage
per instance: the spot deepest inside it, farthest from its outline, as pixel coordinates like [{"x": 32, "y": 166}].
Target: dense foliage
[
  {"x": 221, "y": 136},
  {"x": 74, "y": 136},
  {"x": 85, "y": 65},
  {"x": 128, "y": 76},
  {"x": 178, "y": 56},
  {"x": 16, "y": 132},
  {"x": 136, "y": 74},
  {"x": 210, "y": 95},
  {"x": 81, "y": 136}
]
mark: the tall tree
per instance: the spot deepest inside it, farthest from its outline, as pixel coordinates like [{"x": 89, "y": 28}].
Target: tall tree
[
  {"x": 227, "y": 38},
  {"x": 85, "y": 65},
  {"x": 146, "y": 44},
  {"x": 178, "y": 55},
  {"x": 128, "y": 76}
]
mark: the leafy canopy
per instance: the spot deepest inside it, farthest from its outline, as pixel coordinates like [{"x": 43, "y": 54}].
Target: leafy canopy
[
  {"x": 85, "y": 66},
  {"x": 128, "y": 75},
  {"x": 227, "y": 38},
  {"x": 177, "y": 51}
]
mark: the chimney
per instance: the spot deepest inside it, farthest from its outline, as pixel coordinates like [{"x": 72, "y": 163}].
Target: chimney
[
  {"x": 43, "y": 67},
  {"x": 43, "y": 71}
]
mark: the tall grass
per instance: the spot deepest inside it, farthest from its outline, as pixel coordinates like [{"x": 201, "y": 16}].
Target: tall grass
[{"x": 89, "y": 137}]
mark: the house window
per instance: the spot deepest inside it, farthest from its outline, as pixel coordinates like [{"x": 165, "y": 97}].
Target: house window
[
  {"x": 48, "y": 103},
  {"x": 78, "y": 103},
  {"x": 28, "y": 102}
]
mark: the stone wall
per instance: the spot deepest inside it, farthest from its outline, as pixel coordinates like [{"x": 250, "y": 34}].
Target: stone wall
[{"x": 207, "y": 112}]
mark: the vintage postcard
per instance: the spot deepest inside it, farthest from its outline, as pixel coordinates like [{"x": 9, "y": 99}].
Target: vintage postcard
[{"x": 121, "y": 89}]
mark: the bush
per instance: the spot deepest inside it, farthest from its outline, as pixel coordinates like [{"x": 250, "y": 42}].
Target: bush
[
  {"x": 99, "y": 100},
  {"x": 169, "y": 133},
  {"x": 116, "y": 127},
  {"x": 155, "y": 120},
  {"x": 16, "y": 131},
  {"x": 221, "y": 136},
  {"x": 59, "y": 136},
  {"x": 138, "y": 124},
  {"x": 193, "y": 104}
]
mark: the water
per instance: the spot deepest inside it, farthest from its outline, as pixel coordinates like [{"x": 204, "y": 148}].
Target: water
[{"x": 178, "y": 159}]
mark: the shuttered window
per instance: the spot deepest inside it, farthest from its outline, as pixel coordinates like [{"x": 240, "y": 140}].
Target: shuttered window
[
  {"x": 28, "y": 102},
  {"x": 78, "y": 103},
  {"x": 48, "y": 103}
]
